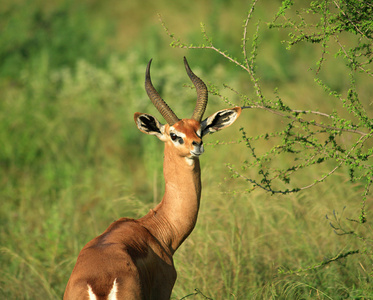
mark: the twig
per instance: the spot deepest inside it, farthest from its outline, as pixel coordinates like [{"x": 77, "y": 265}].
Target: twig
[
  {"x": 244, "y": 40},
  {"x": 269, "y": 189},
  {"x": 343, "y": 13},
  {"x": 350, "y": 59},
  {"x": 197, "y": 292},
  {"x": 324, "y": 263},
  {"x": 305, "y": 121}
]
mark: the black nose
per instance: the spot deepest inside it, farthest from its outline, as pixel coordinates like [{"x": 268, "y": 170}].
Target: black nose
[{"x": 194, "y": 143}]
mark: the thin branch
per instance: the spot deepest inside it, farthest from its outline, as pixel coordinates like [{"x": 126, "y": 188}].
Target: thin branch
[
  {"x": 299, "y": 119},
  {"x": 305, "y": 121},
  {"x": 324, "y": 45},
  {"x": 212, "y": 47},
  {"x": 197, "y": 292},
  {"x": 322, "y": 264},
  {"x": 361, "y": 140},
  {"x": 244, "y": 40},
  {"x": 343, "y": 13},
  {"x": 349, "y": 58},
  {"x": 177, "y": 43}
]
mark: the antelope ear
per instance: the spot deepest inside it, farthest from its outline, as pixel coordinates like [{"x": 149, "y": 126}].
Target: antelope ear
[
  {"x": 150, "y": 125},
  {"x": 219, "y": 120}
]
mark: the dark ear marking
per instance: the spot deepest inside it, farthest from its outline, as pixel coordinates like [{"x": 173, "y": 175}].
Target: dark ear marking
[
  {"x": 150, "y": 124},
  {"x": 220, "y": 120}
]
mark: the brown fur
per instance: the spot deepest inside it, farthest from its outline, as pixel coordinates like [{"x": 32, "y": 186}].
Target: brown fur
[
  {"x": 137, "y": 254},
  {"x": 129, "y": 253}
]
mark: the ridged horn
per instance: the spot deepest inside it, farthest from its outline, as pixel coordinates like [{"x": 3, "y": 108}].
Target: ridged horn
[
  {"x": 158, "y": 102},
  {"x": 202, "y": 93}
]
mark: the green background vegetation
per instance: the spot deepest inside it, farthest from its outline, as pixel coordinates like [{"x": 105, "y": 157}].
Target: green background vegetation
[{"x": 72, "y": 159}]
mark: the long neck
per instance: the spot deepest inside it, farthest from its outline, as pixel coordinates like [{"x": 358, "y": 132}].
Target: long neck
[{"x": 174, "y": 218}]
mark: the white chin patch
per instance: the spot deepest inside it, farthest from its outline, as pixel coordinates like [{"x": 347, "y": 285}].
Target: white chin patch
[{"x": 189, "y": 160}]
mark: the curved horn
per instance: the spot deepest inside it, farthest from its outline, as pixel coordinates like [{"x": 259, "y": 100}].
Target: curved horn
[
  {"x": 202, "y": 93},
  {"x": 158, "y": 102}
]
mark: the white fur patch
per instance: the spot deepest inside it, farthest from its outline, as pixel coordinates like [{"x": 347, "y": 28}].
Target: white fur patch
[
  {"x": 112, "y": 295},
  {"x": 114, "y": 291},
  {"x": 178, "y": 133},
  {"x": 199, "y": 132},
  {"x": 190, "y": 161},
  {"x": 91, "y": 295}
]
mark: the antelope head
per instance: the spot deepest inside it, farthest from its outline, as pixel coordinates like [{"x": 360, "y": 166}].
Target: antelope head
[{"x": 184, "y": 134}]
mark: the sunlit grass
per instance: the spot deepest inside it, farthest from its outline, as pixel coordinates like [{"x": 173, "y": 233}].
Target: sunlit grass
[{"x": 72, "y": 161}]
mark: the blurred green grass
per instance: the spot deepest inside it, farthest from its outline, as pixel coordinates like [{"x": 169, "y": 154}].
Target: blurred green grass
[{"x": 72, "y": 160}]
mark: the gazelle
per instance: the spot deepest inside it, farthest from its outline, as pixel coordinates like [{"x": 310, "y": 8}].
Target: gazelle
[{"x": 132, "y": 259}]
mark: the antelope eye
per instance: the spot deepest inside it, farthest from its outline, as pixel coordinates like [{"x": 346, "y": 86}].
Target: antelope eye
[{"x": 173, "y": 136}]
